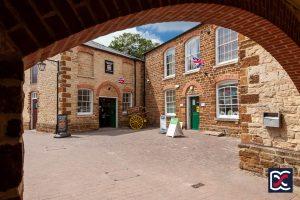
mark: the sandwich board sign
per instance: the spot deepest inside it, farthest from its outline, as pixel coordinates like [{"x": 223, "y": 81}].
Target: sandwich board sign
[
  {"x": 163, "y": 124},
  {"x": 174, "y": 128}
]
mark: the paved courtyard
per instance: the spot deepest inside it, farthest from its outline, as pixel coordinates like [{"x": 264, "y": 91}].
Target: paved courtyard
[{"x": 122, "y": 164}]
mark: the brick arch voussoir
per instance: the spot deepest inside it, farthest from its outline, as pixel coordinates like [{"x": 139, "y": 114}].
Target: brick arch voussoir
[
  {"x": 226, "y": 77},
  {"x": 280, "y": 40},
  {"x": 108, "y": 83},
  {"x": 85, "y": 86},
  {"x": 189, "y": 84}
]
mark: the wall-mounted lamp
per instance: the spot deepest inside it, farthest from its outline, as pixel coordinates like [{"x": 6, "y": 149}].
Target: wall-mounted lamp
[
  {"x": 177, "y": 86},
  {"x": 207, "y": 31}
]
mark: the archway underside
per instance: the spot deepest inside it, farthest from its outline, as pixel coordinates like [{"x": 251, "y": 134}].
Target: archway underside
[
  {"x": 35, "y": 30},
  {"x": 273, "y": 39}
]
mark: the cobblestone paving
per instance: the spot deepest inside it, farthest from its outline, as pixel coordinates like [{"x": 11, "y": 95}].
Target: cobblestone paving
[{"x": 122, "y": 164}]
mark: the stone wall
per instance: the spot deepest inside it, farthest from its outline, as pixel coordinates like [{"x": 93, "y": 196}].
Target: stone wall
[
  {"x": 46, "y": 94},
  {"x": 268, "y": 88},
  {"x": 71, "y": 78}
]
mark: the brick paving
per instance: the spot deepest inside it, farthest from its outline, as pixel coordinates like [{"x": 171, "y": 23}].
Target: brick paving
[{"x": 122, "y": 164}]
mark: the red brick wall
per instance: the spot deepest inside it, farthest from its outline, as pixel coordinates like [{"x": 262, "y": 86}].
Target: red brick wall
[{"x": 205, "y": 85}]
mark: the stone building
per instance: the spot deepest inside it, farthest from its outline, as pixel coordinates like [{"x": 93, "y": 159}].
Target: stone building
[
  {"x": 97, "y": 85},
  {"x": 239, "y": 83}
]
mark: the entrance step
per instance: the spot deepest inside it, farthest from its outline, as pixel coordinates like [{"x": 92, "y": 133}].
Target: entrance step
[{"x": 214, "y": 133}]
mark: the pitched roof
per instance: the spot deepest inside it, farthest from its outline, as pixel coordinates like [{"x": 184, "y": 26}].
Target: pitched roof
[{"x": 98, "y": 46}]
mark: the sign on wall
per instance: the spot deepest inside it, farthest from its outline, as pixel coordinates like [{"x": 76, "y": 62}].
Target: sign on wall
[{"x": 109, "y": 67}]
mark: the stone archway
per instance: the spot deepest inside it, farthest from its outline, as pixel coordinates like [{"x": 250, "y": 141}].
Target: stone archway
[{"x": 34, "y": 30}]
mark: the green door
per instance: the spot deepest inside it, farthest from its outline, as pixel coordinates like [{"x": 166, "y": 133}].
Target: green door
[
  {"x": 113, "y": 114},
  {"x": 194, "y": 110}
]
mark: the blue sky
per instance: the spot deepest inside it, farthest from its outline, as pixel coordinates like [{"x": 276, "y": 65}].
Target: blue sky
[{"x": 159, "y": 32}]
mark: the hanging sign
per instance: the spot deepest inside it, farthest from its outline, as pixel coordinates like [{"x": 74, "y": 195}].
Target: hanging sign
[
  {"x": 109, "y": 67},
  {"x": 163, "y": 124},
  {"x": 174, "y": 128}
]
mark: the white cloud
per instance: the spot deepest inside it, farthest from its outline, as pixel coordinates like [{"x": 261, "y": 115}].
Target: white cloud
[
  {"x": 170, "y": 26},
  {"x": 107, "y": 39}
]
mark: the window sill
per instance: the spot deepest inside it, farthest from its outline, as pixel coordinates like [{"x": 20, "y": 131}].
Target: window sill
[
  {"x": 169, "y": 77},
  {"x": 124, "y": 113},
  {"x": 222, "y": 64},
  {"x": 84, "y": 114},
  {"x": 192, "y": 71},
  {"x": 170, "y": 115},
  {"x": 224, "y": 119}
]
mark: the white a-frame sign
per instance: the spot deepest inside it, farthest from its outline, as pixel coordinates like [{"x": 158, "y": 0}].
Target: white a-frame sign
[{"x": 174, "y": 128}]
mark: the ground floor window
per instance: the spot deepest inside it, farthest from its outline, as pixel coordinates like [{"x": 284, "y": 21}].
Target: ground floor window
[
  {"x": 227, "y": 100},
  {"x": 127, "y": 101},
  {"x": 85, "y": 102},
  {"x": 170, "y": 102}
]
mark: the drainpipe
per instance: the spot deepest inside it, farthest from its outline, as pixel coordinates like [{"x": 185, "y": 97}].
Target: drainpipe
[
  {"x": 134, "y": 82},
  {"x": 144, "y": 81}
]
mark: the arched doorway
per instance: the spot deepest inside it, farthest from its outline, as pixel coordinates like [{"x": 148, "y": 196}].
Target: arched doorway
[{"x": 34, "y": 30}]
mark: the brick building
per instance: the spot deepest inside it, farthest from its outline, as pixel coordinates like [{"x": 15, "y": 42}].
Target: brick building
[
  {"x": 239, "y": 82},
  {"x": 90, "y": 92},
  {"x": 209, "y": 97}
]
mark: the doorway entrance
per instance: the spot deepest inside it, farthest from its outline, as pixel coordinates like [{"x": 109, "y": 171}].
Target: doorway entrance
[
  {"x": 193, "y": 112},
  {"x": 34, "y": 109},
  {"x": 108, "y": 112}
]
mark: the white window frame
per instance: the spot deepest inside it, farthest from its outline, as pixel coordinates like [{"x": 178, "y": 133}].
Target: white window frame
[
  {"x": 130, "y": 103},
  {"x": 230, "y": 117},
  {"x": 193, "y": 39},
  {"x": 171, "y": 51},
  {"x": 234, "y": 60},
  {"x": 32, "y": 69},
  {"x": 166, "y": 103},
  {"x": 91, "y": 103}
]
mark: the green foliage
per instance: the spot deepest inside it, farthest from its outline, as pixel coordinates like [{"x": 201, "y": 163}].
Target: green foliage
[{"x": 132, "y": 44}]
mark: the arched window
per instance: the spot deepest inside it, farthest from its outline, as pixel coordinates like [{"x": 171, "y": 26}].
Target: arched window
[
  {"x": 226, "y": 45},
  {"x": 169, "y": 61},
  {"x": 227, "y": 100},
  {"x": 192, "y": 50}
]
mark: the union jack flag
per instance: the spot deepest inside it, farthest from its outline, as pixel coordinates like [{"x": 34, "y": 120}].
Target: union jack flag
[
  {"x": 121, "y": 80},
  {"x": 198, "y": 62}
]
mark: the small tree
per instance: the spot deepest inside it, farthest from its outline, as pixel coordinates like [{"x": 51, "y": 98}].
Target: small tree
[{"x": 132, "y": 44}]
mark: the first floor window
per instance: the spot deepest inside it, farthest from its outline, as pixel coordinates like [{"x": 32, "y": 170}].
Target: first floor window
[
  {"x": 34, "y": 74},
  {"x": 226, "y": 45},
  {"x": 192, "y": 50},
  {"x": 170, "y": 102},
  {"x": 85, "y": 101},
  {"x": 170, "y": 62},
  {"x": 227, "y": 101},
  {"x": 127, "y": 101}
]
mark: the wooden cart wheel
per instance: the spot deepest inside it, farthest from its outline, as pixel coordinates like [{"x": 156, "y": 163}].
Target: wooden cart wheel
[{"x": 136, "y": 122}]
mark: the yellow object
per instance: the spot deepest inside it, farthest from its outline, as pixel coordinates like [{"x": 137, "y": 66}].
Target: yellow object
[{"x": 136, "y": 121}]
